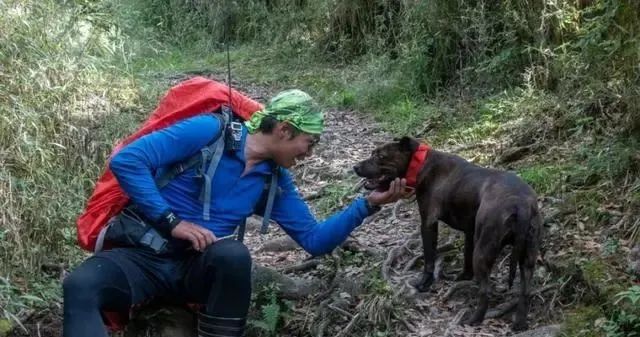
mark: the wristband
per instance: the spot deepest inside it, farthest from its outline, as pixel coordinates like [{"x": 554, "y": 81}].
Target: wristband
[
  {"x": 167, "y": 222},
  {"x": 372, "y": 209}
]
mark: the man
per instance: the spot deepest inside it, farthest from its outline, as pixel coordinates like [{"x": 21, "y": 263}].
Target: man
[{"x": 201, "y": 268}]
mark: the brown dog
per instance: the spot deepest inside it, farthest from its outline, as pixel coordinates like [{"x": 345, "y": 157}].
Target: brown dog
[{"x": 493, "y": 208}]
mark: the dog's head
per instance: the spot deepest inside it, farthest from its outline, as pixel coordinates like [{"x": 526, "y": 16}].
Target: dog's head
[{"x": 387, "y": 162}]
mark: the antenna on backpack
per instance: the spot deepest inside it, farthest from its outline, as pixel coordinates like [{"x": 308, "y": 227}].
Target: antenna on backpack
[
  {"x": 234, "y": 128},
  {"x": 226, "y": 42}
]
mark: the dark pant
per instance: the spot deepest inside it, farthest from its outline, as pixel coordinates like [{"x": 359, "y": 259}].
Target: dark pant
[{"x": 114, "y": 280}]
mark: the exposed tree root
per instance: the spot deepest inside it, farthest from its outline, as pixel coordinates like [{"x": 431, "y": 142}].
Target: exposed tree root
[
  {"x": 457, "y": 287},
  {"x": 281, "y": 244},
  {"x": 455, "y": 322},
  {"x": 354, "y": 320},
  {"x": 300, "y": 267}
]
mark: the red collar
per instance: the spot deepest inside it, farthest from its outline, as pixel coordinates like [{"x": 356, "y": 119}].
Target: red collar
[{"x": 417, "y": 160}]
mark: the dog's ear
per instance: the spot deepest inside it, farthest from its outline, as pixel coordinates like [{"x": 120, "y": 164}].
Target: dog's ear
[{"x": 408, "y": 143}]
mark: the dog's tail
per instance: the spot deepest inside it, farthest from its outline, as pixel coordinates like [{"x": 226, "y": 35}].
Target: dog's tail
[{"x": 522, "y": 238}]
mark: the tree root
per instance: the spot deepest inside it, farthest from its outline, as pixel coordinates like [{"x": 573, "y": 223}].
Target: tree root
[
  {"x": 411, "y": 263},
  {"x": 315, "y": 195},
  {"x": 508, "y": 307},
  {"x": 447, "y": 247},
  {"x": 280, "y": 244},
  {"x": 394, "y": 253},
  {"x": 302, "y": 266},
  {"x": 356, "y": 246},
  {"x": 455, "y": 322},
  {"x": 502, "y": 309},
  {"x": 354, "y": 320},
  {"x": 340, "y": 310},
  {"x": 288, "y": 287},
  {"x": 458, "y": 286}
]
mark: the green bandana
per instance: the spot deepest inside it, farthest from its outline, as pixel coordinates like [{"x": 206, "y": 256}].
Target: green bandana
[{"x": 294, "y": 107}]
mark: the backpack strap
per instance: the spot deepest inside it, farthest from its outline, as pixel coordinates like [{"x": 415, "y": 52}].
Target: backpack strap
[
  {"x": 194, "y": 160},
  {"x": 272, "y": 187},
  {"x": 100, "y": 240},
  {"x": 218, "y": 150}
]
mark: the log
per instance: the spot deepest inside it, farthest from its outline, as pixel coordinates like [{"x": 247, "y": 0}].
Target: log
[{"x": 281, "y": 244}]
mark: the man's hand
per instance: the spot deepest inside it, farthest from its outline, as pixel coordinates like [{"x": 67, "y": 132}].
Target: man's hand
[
  {"x": 199, "y": 236},
  {"x": 397, "y": 189}
]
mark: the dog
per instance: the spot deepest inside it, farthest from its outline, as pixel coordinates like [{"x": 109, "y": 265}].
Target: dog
[{"x": 492, "y": 207}]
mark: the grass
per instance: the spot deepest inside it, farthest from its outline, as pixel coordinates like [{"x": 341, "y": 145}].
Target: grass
[
  {"x": 581, "y": 322},
  {"x": 61, "y": 104},
  {"x": 333, "y": 197},
  {"x": 544, "y": 179}
]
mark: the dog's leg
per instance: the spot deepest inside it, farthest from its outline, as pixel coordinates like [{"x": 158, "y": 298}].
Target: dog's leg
[
  {"x": 529, "y": 248},
  {"x": 526, "y": 274},
  {"x": 429, "y": 231},
  {"x": 527, "y": 265},
  {"x": 485, "y": 253},
  {"x": 467, "y": 272}
]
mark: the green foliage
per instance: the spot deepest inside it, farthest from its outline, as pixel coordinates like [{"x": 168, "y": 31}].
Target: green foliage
[
  {"x": 581, "y": 322},
  {"x": 609, "y": 161},
  {"x": 57, "y": 86},
  {"x": 544, "y": 179},
  {"x": 60, "y": 103},
  {"x": 14, "y": 300},
  {"x": 449, "y": 41},
  {"x": 376, "y": 285},
  {"x": 211, "y": 23},
  {"x": 333, "y": 196},
  {"x": 272, "y": 311},
  {"x": 610, "y": 247},
  {"x": 5, "y": 327},
  {"x": 625, "y": 320}
]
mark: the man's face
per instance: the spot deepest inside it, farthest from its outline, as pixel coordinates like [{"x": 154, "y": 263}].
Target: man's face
[{"x": 293, "y": 147}]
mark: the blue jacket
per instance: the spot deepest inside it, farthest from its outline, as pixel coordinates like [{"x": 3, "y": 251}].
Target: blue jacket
[{"x": 234, "y": 197}]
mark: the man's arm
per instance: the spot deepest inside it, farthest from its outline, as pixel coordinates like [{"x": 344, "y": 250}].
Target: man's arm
[
  {"x": 292, "y": 213},
  {"x": 134, "y": 166}
]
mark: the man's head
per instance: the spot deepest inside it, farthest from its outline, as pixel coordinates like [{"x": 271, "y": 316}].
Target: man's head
[{"x": 294, "y": 122}]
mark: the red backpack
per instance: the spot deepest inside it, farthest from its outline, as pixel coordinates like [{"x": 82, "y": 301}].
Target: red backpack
[{"x": 186, "y": 99}]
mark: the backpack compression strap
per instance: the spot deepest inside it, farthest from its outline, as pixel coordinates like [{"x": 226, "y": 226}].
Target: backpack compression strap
[
  {"x": 273, "y": 188},
  {"x": 194, "y": 160},
  {"x": 218, "y": 146}
]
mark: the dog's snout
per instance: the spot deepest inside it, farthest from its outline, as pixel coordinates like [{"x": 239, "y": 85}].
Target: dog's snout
[{"x": 357, "y": 168}]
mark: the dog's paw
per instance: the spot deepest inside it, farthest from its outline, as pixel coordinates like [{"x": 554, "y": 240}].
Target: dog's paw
[
  {"x": 424, "y": 283},
  {"x": 464, "y": 276},
  {"x": 519, "y": 326}
]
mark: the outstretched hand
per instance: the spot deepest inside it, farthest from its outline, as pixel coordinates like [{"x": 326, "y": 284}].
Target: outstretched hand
[{"x": 397, "y": 190}]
